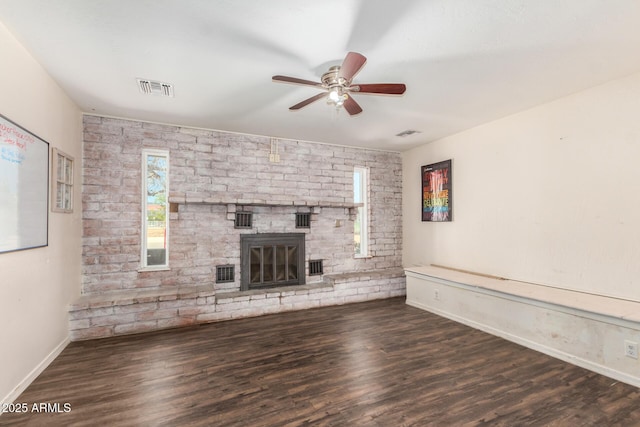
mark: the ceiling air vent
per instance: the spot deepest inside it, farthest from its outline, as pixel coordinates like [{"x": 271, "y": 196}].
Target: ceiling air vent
[
  {"x": 407, "y": 132},
  {"x": 152, "y": 87}
]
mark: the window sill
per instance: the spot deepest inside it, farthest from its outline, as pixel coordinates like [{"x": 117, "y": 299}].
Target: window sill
[
  {"x": 362, "y": 256},
  {"x": 158, "y": 268}
]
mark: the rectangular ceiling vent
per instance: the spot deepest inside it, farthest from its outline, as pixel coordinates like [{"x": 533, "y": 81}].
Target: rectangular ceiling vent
[
  {"x": 407, "y": 133},
  {"x": 152, "y": 87}
]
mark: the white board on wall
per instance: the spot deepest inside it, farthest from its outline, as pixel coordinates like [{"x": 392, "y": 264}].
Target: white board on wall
[{"x": 24, "y": 187}]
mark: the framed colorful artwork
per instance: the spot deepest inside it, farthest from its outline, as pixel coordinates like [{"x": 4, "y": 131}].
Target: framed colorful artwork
[{"x": 436, "y": 192}]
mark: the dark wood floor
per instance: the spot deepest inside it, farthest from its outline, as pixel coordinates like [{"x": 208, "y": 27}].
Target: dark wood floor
[{"x": 378, "y": 363}]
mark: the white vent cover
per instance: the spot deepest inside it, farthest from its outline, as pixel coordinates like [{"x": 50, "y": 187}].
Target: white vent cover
[
  {"x": 407, "y": 133},
  {"x": 152, "y": 87}
]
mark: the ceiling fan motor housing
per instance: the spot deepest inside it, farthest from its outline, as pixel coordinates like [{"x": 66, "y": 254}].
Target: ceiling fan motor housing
[{"x": 330, "y": 79}]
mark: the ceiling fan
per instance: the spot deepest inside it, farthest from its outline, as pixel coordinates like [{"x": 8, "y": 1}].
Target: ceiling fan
[{"x": 337, "y": 83}]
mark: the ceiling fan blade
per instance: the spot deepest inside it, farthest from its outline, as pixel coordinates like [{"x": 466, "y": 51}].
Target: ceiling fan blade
[
  {"x": 352, "y": 106},
  {"x": 308, "y": 101},
  {"x": 381, "y": 88},
  {"x": 352, "y": 63},
  {"x": 294, "y": 80}
]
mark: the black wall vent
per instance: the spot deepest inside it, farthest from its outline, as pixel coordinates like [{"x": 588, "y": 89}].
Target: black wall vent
[
  {"x": 225, "y": 273},
  {"x": 244, "y": 219},
  {"x": 315, "y": 267},
  {"x": 303, "y": 220}
]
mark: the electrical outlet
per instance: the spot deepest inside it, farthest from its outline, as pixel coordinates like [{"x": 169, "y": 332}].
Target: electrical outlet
[
  {"x": 631, "y": 349},
  {"x": 436, "y": 294}
]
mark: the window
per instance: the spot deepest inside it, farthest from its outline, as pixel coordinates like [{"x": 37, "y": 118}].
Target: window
[
  {"x": 360, "y": 198},
  {"x": 155, "y": 209},
  {"x": 62, "y": 191}
]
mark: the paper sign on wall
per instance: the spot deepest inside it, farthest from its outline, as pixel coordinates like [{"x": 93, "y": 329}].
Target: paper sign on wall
[{"x": 24, "y": 186}]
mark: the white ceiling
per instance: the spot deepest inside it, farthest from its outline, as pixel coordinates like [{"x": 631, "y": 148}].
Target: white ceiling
[{"x": 465, "y": 62}]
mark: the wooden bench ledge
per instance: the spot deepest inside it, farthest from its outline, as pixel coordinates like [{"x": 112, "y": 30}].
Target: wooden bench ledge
[{"x": 592, "y": 303}]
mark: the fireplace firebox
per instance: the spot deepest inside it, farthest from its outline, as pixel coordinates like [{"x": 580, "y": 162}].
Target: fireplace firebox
[{"x": 271, "y": 259}]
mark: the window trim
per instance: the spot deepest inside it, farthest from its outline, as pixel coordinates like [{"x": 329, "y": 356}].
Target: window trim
[
  {"x": 362, "y": 210},
  {"x": 66, "y": 182},
  {"x": 143, "y": 257}
]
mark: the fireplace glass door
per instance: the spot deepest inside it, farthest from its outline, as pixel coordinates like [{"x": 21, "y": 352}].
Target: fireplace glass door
[
  {"x": 272, "y": 265},
  {"x": 270, "y": 260}
]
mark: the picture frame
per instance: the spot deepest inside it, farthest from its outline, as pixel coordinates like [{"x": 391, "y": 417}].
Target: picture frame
[
  {"x": 437, "y": 201},
  {"x": 24, "y": 188}
]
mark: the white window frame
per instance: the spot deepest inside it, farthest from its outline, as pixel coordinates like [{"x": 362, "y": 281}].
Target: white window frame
[
  {"x": 143, "y": 259},
  {"x": 62, "y": 179},
  {"x": 362, "y": 194}
]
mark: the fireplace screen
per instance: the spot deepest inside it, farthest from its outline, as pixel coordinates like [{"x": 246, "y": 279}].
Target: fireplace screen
[{"x": 270, "y": 260}]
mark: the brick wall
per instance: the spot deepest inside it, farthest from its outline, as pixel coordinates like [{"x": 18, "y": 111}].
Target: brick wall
[{"x": 211, "y": 174}]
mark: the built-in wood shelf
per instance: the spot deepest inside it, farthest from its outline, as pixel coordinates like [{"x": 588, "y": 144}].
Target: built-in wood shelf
[{"x": 563, "y": 298}]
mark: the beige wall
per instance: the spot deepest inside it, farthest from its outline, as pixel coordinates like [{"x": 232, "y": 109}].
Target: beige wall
[
  {"x": 37, "y": 285},
  {"x": 549, "y": 195}
]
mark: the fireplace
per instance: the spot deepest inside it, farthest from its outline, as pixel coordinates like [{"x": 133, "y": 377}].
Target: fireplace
[{"x": 271, "y": 259}]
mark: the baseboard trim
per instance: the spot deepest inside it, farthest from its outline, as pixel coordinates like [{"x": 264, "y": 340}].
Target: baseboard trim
[
  {"x": 22, "y": 386},
  {"x": 549, "y": 351}
]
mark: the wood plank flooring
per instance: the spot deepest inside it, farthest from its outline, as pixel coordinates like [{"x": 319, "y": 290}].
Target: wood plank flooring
[{"x": 379, "y": 363}]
